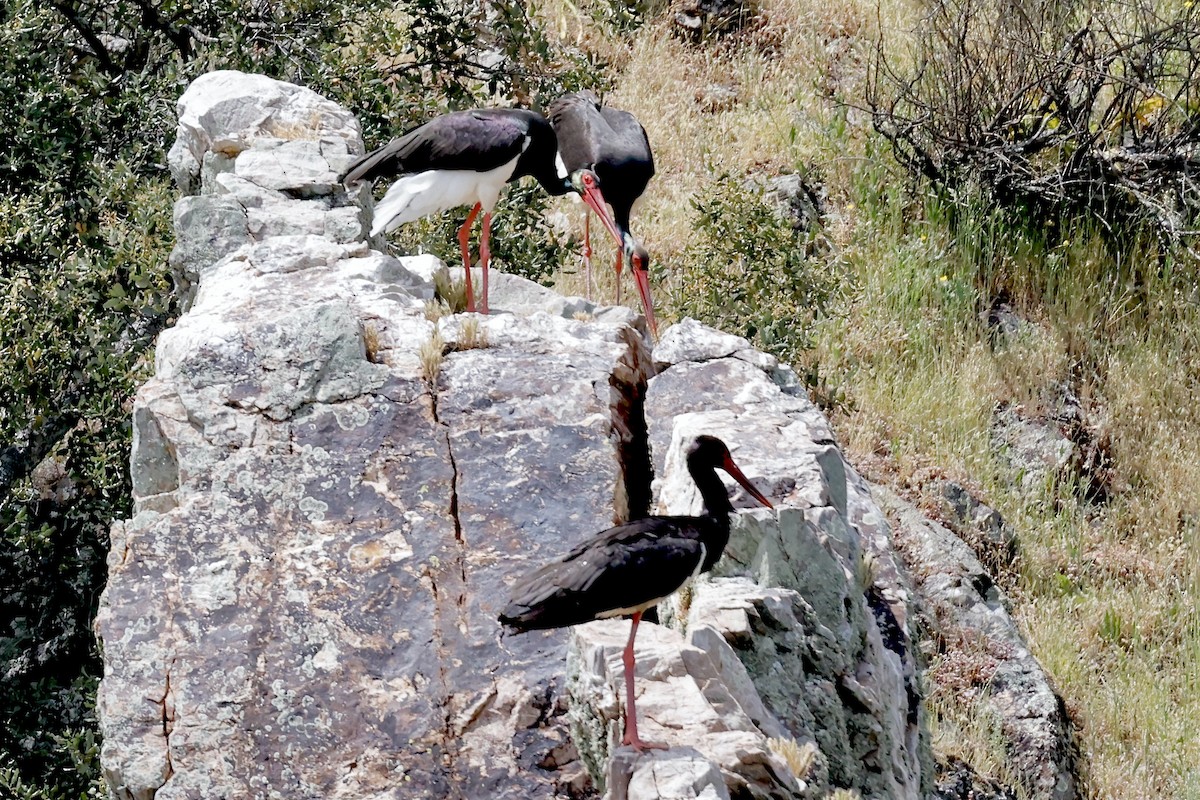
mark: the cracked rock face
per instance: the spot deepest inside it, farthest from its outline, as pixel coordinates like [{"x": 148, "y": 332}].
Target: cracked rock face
[
  {"x": 801, "y": 634},
  {"x": 819, "y": 618},
  {"x": 304, "y": 604}
]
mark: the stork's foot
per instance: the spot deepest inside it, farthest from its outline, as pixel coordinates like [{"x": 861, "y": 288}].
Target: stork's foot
[{"x": 632, "y": 740}]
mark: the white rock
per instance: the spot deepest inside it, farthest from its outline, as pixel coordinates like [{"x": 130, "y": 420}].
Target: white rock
[
  {"x": 228, "y": 111},
  {"x": 690, "y": 340}
]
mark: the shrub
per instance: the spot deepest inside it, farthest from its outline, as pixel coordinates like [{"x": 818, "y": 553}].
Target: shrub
[
  {"x": 1082, "y": 108},
  {"x": 748, "y": 271}
]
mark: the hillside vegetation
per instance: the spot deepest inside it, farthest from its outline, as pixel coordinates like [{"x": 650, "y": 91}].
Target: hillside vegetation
[{"x": 966, "y": 159}]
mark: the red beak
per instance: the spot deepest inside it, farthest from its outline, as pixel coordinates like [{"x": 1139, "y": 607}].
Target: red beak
[
  {"x": 738, "y": 476},
  {"x": 643, "y": 284},
  {"x": 595, "y": 201}
]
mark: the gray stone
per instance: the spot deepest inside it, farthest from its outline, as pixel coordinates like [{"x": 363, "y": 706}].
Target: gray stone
[
  {"x": 690, "y": 340},
  {"x": 676, "y": 774},
  {"x": 696, "y": 20},
  {"x": 1036, "y": 450},
  {"x": 1003, "y": 323},
  {"x": 296, "y": 166},
  {"x": 682, "y": 702},
  {"x": 208, "y": 227},
  {"x": 968, "y": 608},
  {"x": 984, "y": 525},
  {"x": 797, "y": 201},
  {"x": 226, "y": 112}
]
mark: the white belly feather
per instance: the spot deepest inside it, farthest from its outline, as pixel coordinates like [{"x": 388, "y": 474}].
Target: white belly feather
[{"x": 434, "y": 191}]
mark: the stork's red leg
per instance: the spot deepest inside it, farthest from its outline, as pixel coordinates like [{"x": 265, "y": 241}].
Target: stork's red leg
[
  {"x": 464, "y": 239},
  {"x": 485, "y": 255},
  {"x": 620, "y": 269},
  {"x": 587, "y": 251},
  {"x": 631, "y": 733}
]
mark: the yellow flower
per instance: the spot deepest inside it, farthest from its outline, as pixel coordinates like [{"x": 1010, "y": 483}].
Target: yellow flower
[{"x": 944, "y": 278}]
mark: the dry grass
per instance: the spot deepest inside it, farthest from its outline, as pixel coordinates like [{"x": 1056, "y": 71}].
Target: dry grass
[
  {"x": 799, "y": 757},
  {"x": 371, "y": 342},
  {"x": 471, "y": 336},
  {"x": 432, "y": 351},
  {"x": 1106, "y": 593}
]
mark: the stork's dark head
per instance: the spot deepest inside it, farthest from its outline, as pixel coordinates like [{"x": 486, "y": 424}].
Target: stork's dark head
[
  {"x": 583, "y": 180},
  {"x": 587, "y": 184},
  {"x": 708, "y": 453},
  {"x": 637, "y": 256}
]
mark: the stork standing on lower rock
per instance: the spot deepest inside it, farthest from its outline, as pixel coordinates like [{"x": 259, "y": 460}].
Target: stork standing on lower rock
[
  {"x": 604, "y": 149},
  {"x": 627, "y": 569},
  {"x": 463, "y": 158}
]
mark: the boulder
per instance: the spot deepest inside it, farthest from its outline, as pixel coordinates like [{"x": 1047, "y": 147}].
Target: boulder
[{"x": 1036, "y": 450}]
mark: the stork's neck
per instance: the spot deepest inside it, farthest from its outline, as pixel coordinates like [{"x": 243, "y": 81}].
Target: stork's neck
[
  {"x": 716, "y": 499},
  {"x": 621, "y": 218},
  {"x": 714, "y": 524}
]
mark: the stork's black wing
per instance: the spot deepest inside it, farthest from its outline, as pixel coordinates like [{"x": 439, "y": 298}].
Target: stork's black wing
[
  {"x": 580, "y": 128},
  {"x": 478, "y": 140},
  {"x": 631, "y": 145},
  {"x": 624, "y": 567}
]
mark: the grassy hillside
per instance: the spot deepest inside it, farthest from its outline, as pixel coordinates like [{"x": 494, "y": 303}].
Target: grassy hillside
[{"x": 1105, "y": 588}]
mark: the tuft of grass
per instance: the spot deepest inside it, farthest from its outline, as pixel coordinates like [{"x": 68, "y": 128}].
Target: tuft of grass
[
  {"x": 432, "y": 352},
  {"x": 436, "y": 309},
  {"x": 970, "y": 732},
  {"x": 471, "y": 336},
  {"x": 449, "y": 293},
  {"x": 799, "y": 757},
  {"x": 371, "y": 343}
]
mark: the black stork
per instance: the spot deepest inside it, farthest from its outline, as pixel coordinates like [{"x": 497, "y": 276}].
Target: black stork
[
  {"x": 463, "y": 158},
  {"x": 607, "y": 149},
  {"x": 627, "y": 569}
]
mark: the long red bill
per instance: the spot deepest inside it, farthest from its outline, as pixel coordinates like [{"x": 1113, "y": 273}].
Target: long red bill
[
  {"x": 595, "y": 201},
  {"x": 738, "y": 476},
  {"x": 642, "y": 277}
]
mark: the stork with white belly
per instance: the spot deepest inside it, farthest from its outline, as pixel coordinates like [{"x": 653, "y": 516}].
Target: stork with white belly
[{"x": 464, "y": 158}]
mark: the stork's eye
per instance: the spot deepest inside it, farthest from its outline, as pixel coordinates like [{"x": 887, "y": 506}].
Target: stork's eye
[{"x": 589, "y": 180}]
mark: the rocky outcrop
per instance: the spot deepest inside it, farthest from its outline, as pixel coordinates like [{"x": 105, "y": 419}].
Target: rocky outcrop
[
  {"x": 334, "y": 486},
  {"x": 331, "y": 491},
  {"x": 811, "y": 624},
  {"x": 991, "y": 668}
]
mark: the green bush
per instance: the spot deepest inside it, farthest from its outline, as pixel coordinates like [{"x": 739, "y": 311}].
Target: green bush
[{"x": 747, "y": 271}]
